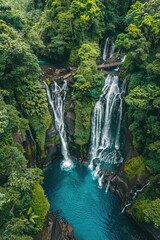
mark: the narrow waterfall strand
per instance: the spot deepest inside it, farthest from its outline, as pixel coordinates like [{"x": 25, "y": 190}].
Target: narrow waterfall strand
[
  {"x": 95, "y": 173},
  {"x": 96, "y": 126},
  {"x": 112, "y": 50},
  {"x": 105, "y": 51},
  {"x": 120, "y": 112},
  {"x": 107, "y": 187},
  {"x": 100, "y": 179},
  {"x": 35, "y": 147},
  {"x": 134, "y": 195},
  {"x": 123, "y": 59}
]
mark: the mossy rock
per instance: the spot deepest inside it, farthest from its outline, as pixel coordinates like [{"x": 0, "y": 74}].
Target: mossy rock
[
  {"x": 39, "y": 205},
  {"x": 135, "y": 168},
  {"x": 82, "y": 123}
]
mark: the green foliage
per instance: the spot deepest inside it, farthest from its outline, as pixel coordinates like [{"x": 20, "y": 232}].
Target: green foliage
[
  {"x": 152, "y": 213},
  {"x": 40, "y": 206},
  {"x": 148, "y": 211},
  {"x": 10, "y": 17},
  {"x": 135, "y": 167},
  {"x": 140, "y": 42},
  {"x": 82, "y": 125},
  {"x": 88, "y": 51},
  {"x": 141, "y": 70},
  {"x": 64, "y": 26},
  {"x": 86, "y": 89},
  {"x": 144, "y": 97},
  {"x": 34, "y": 102},
  {"x": 146, "y": 207},
  {"x": 153, "y": 164},
  {"x": 21, "y": 94},
  {"x": 20, "y": 74}
]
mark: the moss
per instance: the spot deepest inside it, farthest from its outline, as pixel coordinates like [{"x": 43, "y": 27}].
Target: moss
[
  {"x": 88, "y": 68},
  {"x": 147, "y": 205},
  {"x": 40, "y": 126},
  {"x": 54, "y": 139},
  {"x": 147, "y": 211},
  {"x": 135, "y": 167},
  {"x": 82, "y": 124},
  {"x": 29, "y": 151},
  {"x": 86, "y": 90},
  {"x": 39, "y": 205}
]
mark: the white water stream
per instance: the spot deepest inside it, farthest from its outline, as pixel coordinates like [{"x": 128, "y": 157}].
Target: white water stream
[
  {"x": 56, "y": 98},
  {"x": 106, "y": 127}
]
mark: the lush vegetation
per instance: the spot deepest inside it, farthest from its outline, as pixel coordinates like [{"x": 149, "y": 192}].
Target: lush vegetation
[
  {"x": 72, "y": 31},
  {"x": 141, "y": 42},
  {"x": 23, "y": 107},
  {"x": 20, "y": 217},
  {"x": 86, "y": 89}
]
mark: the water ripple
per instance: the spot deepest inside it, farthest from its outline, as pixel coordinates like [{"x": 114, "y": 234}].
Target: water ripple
[{"x": 93, "y": 214}]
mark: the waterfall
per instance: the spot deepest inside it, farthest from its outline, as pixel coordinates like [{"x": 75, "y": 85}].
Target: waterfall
[
  {"x": 96, "y": 126},
  {"x": 56, "y": 100},
  {"x": 121, "y": 95},
  {"x": 107, "y": 187},
  {"x": 111, "y": 98},
  {"x": 100, "y": 181},
  {"x": 106, "y": 49},
  {"x": 123, "y": 59},
  {"x": 117, "y": 55},
  {"x": 112, "y": 50},
  {"x": 106, "y": 125},
  {"x": 35, "y": 147},
  {"x": 127, "y": 205},
  {"x": 109, "y": 48},
  {"x": 133, "y": 196}
]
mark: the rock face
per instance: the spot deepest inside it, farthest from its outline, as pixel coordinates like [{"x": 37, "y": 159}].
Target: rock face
[
  {"x": 59, "y": 230},
  {"x": 120, "y": 184},
  {"x": 53, "y": 145},
  {"x": 56, "y": 229}
]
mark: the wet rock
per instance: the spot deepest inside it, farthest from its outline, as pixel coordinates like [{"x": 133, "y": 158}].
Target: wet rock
[
  {"x": 56, "y": 229},
  {"x": 61, "y": 230},
  {"x": 119, "y": 184},
  {"x": 70, "y": 121}
]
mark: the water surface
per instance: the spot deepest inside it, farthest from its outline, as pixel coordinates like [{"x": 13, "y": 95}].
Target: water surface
[{"x": 93, "y": 214}]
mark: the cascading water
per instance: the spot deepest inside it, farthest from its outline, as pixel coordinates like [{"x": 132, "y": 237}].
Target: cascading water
[
  {"x": 105, "y": 126},
  {"x": 56, "y": 99},
  {"x": 112, "y": 50},
  {"x": 108, "y": 184},
  {"x": 109, "y": 48},
  {"x": 92, "y": 214},
  {"x": 106, "y": 49},
  {"x": 133, "y": 196},
  {"x": 121, "y": 95},
  {"x": 35, "y": 147},
  {"x": 96, "y": 127}
]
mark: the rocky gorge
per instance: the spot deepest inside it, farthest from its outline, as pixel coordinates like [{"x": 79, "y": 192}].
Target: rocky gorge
[{"x": 118, "y": 181}]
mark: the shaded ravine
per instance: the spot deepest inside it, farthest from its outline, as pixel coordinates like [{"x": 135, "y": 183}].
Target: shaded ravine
[{"x": 93, "y": 214}]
